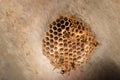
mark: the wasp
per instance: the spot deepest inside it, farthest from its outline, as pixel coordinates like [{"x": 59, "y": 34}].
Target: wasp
[
  {"x": 96, "y": 44},
  {"x": 72, "y": 65},
  {"x": 63, "y": 72},
  {"x": 61, "y": 60}
]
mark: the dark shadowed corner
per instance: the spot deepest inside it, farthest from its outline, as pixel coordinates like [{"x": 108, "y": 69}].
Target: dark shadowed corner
[{"x": 102, "y": 69}]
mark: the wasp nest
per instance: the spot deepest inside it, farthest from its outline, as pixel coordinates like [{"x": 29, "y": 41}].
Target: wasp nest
[{"x": 68, "y": 44}]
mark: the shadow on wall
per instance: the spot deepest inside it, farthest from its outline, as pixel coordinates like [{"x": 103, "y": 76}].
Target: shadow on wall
[{"x": 103, "y": 70}]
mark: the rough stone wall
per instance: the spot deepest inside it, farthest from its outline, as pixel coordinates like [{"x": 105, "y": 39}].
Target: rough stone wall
[{"x": 23, "y": 24}]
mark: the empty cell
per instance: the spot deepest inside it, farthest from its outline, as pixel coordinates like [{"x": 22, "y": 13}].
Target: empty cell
[
  {"x": 83, "y": 28},
  {"x": 47, "y": 34},
  {"x": 70, "y": 58},
  {"x": 56, "y": 56},
  {"x": 66, "y": 59},
  {"x": 73, "y": 47},
  {"x": 70, "y": 45},
  {"x": 74, "y": 51},
  {"x": 51, "y": 40},
  {"x": 65, "y": 44},
  {"x": 60, "y": 44},
  {"x": 50, "y": 26},
  {"x": 59, "y": 34},
  {"x": 62, "y": 21},
  {"x": 70, "y": 54},
  {"x": 52, "y": 55},
  {"x": 64, "y": 40},
  {"x": 70, "y": 50},
  {"x": 72, "y": 34},
  {"x": 76, "y": 30},
  {"x": 80, "y": 31},
  {"x": 65, "y": 49},
  {"x": 66, "y": 54},
  {"x": 51, "y": 46},
  {"x": 78, "y": 52},
  {"x": 55, "y": 43},
  {"x": 79, "y": 27},
  {"x": 72, "y": 29},
  {"x": 47, "y": 38},
  {"x": 56, "y": 52},
  {"x": 59, "y": 30},
  {"x": 78, "y": 48},
  {"x": 77, "y": 22},
  {"x": 60, "y": 39},
  {"x": 47, "y": 43},
  {"x": 65, "y": 18},
  {"x": 58, "y": 20},
  {"x": 67, "y": 28},
  {"x": 61, "y": 54},
  {"x": 54, "y": 28},
  {"x": 48, "y": 53},
  {"x": 55, "y": 48},
  {"x": 78, "y": 43},
  {"x": 55, "y": 37},
  {"x": 58, "y": 24},
  {"x": 55, "y": 33},
  {"x": 51, "y": 51},
  {"x": 51, "y": 31},
  {"x": 63, "y": 26},
  {"x": 61, "y": 49},
  {"x": 51, "y": 35},
  {"x": 43, "y": 41},
  {"x": 54, "y": 23},
  {"x": 67, "y": 23},
  {"x": 74, "y": 59},
  {"x": 82, "y": 49}
]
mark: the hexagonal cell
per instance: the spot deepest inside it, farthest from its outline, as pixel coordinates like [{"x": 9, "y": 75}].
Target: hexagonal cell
[
  {"x": 62, "y": 26},
  {"x": 67, "y": 23},
  {"x": 61, "y": 49},
  {"x": 60, "y": 39},
  {"x": 51, "y": 31},
  {"x": 60, "y": 35},
  {"x": 47, "y": 38},
  {"x": 56, "y": 52},
  {"x": 47, "y": 34},
  {"x": 55, "y": 43},
  {"x": 51, "y": 40},
  {"x": 67, "y": 28},
  {"x": 55, "y": 33},
  {"x": 65, "y": 18},
  {"x": 55, "y": 38},
  {"x": 58, "y": 24},
  {"x": 47, "y": 43},
  {"x": 54, "y": 23},
  {"x": 59, "y": 30},
  {"x": 51, "y": 46},
  {"x": 51, "y": 35},
  {"x": 55, "y": 48},
  {"x": 50, "y": 26},
  {"x": 62, "y": 21},
  {"x": 60, "y": 44},
  {"x": 56, "y": 56},
  {"x": 61, "y": 54}
]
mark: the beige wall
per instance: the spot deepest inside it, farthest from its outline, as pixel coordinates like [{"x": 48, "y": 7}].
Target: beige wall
[{"x": 22, "y": 27}]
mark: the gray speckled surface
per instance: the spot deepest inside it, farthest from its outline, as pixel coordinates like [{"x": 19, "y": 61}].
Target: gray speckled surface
[{"x": 23, "y": 24}]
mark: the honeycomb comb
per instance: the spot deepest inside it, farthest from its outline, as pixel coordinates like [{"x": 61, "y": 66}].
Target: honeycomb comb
[{"x": 68, "y": 44}]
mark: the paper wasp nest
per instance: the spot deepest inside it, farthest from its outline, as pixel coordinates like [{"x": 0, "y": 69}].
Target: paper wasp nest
[{"x": 68, "y": 44}]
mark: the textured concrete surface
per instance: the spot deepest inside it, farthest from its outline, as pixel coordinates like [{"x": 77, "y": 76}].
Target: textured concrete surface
[{"x": 23, "y": 24}]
